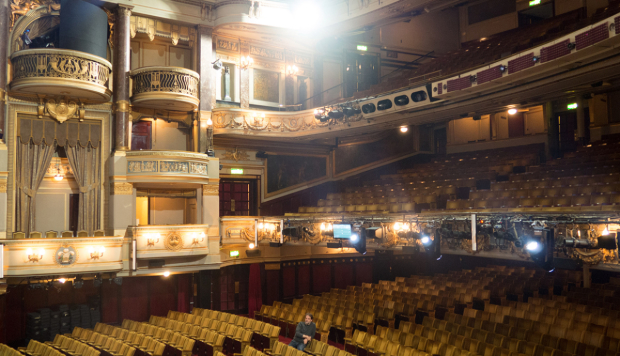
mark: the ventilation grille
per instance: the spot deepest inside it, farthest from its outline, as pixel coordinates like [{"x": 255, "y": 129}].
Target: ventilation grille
[
  {"x": 595, "y": 35},
  {"x": 521, "y": 63},
  {"x": 459, "y": 84},
  {"x": 488, "y": 74}
]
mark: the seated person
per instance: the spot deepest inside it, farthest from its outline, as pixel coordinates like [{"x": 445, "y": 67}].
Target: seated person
[{"x": 304, "y": 333}]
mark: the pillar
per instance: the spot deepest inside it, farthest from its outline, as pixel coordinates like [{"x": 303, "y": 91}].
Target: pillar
[
  {"x": 244, "y": 78},
  {"x": 581, "y": 125},
  {"x": 207, "y": 83},
  {"x": 317, "y": 86},
  {"x": 553, "y": 131},
  {"x": 122, "y": 63},
  {"x": 4, "y": 33}
]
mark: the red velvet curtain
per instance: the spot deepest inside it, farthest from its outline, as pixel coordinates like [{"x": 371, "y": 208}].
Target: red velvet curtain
[
  {"x": 255, "y": 294},
  {"x": 321, "y": 278},
  {"x": 162, "y": 295},
  {"x": 303, "y": 279},
  {"x": 184, "y": 286},
  {"x": 288, "y": 281}
]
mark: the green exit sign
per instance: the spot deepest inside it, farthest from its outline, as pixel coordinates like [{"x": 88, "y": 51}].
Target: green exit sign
[
  {"x": 535, "y": 2},
  {"x": 362, "y": 48},
  {"x": 234, "y": 253},
  {"x": 571, "y": 106},
  {"x": 236, "y": 171}
]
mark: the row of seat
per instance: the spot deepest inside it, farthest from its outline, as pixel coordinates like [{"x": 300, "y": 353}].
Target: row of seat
[
  {"x": 34, "y": 348},
  {"x": 6, "y": 350},
  {"x": 54, "y": 234},
  {"x": 108, "y": 338},
  {"x": 73, "y": 347}
]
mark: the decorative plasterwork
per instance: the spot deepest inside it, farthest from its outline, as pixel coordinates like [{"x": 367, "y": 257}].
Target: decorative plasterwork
[
  {"x": 174, "y": 241},
  {"x": 210, "y": 189},
  {"x": 180, "y": 154},
  {"x": 167, "y": 167},
  {"x": 20, "y": 8},
  {"x": 227, "y": 45},
  {"x": 152, "y": 28},
  {"x": 236, "y": 155},
  {"x": 269, "y": 53},
  {"x": 122, "y": 188},
  {"x": 250, "y": 120},
  {"x": 3, "y": 186},
  {"x": 62, "y": 110}
]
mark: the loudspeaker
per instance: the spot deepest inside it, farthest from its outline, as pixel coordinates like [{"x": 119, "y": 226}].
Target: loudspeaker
[
  {"x": 83, "y": 27},
  {"x": 261, "y": 154},
  {"x": 334, "y": 244},
  {"x": 253, "y": 253}
]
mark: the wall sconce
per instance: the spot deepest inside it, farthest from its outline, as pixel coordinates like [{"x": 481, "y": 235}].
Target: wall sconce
[
  {"x": 96, "y": 252},
  {"x": 32, "y": 257},
  {"x": 152, "y": 239},
  {"x": 198, "y": 239},
  {"x": 292, "y": 70},
  {"x": 246, "y": 62}
]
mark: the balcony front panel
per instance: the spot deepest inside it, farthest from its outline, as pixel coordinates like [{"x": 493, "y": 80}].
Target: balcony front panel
[
  {"x": 164, "y": 241},
  {"x": 167, "y": 88},
  {"x": 63, "y": 72},
  {"x": 38, "y": 257},
  {"x": 170, "y": 167}
]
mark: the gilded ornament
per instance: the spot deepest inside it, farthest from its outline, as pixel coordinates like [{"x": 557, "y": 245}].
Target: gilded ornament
[
  {"x": 20, "y": 8},
  {"x": 210, "y": 189},
  {"x": 66, "y": 255},
  {"x": 122, "y": 188},
  {"x": 236, "y": 155},
  {"x": 3, "y": 187},
  {"x": 174, "y": 241},
  {"x": 165, "y": 79},
  {"x": 61, "y": 111}
]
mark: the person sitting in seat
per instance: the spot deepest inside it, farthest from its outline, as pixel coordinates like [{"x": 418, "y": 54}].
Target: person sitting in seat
[{"x": 304, "y": 333}]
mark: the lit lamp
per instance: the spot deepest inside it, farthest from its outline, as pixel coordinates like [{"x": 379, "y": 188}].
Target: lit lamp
[
  {"x": 96, "y": 252},
  {"x": 32, "y": 257},
  {"x": 152, "y": 239},
  {"x": 58, "y": 176},
  {"x": 246, "y": 62},
  {"x": 198, "y": 239},
  {"x": 292, "y": 70}
]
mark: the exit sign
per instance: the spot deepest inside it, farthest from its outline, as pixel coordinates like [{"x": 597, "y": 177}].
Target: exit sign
[
  {"x": 234, "y": 253},
  {"x": 362, "y": 48},
  {"x": 535, "y": 2},
  {"x": 236, "y": 171},
  {"x": 571, "y": 106}
]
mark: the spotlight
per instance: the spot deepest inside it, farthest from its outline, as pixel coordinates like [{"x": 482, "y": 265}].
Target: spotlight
[
  {"x": 252, "y": 246},
  {"x": 472, "y": 78},
  {"x": 217, "y": 64},
  {"x": 318, "y": 113},
  {"x": 512, "y": 111},
  {"x": 607, "y": 242},
  {"x": 167, "y": 274},
  {"x": 97, "y": 281},
  {"x": 308, "y": 231},
  {"x": 62, "y": 280},
  {"x": 369, "y": 108},
  {"x": 324, "y": 118},
  {"x": 426, "y": 241},
  {"x": 336, "y": 114},
  {"x": 502, "y": 68},
  {"x": 290, "y": 231},
  {"x": 533, "y": 246},
  {"x": 577, "y": 243},
  {"x": 535, "y": 59},
  {"x": 354, "y": 238},
  {"x": 571, "y": 45},
  {"x": 118, "y": 280},
  {"x": 404, "y": 129}
]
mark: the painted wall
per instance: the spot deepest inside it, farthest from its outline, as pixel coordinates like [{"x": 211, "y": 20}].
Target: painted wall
[
  {"x": 170, "y": 136},
  {"x": 159, "y": 52},
  {"x": 168, "y": 211}
]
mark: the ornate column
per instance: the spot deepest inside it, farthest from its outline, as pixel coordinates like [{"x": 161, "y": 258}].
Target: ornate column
[
  {"x": 207, "y": 83},
  {"x": 318, "y": 82},
  {"x": 5, "y": 13},
  {"x": 121, "y": 68},
  {"x": 289, "y": 80},
  {"x": 244, "y": 78}
]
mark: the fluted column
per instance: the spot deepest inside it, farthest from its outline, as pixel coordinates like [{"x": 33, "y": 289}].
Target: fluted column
[
  {"x": 121, "y": 68},
  {"x": 244, "y": 78},
  {"x": 4, "y": 33}
]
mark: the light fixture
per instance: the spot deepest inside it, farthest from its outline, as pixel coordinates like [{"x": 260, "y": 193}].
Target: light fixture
[
  {"x": 354, "y": 238},
  {"x": 62, "y": 280},
  {"x": 533, "y": 246},
  {"x": 167, "y": 274},
  {"x": 78, "y": 282},
  {"x": 152, "y": 239},
  {"x": 292, "y": 70},
  {"x": 404, "y": 129},
  {"x": 605, "y": 231},
  {"x": 196, "y": 239},
  {"x": 502, "y": 68},
  {"x": 96, "y": 252},
  {"x": 246, "y": 62},
  {"x": 209, "y": 122},
  {"x": 217, "y": 64},
  {"x": 58, "y": 176},
  {"x": 252, "y": 246},
  {"x": 512, "y": 111},
  {"x": 32, "y": 257},
  {"x": 97, "y": 281},
  {"x": 425, "y": 240}
]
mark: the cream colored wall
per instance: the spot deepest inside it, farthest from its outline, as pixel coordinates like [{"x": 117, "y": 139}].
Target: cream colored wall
[
  {"x": 486, "y": 28},
  {"x": 564, "y": 6},
  {"x": 534, "y": 121},
  {"x": 167, "y": 211},
  {"x": 159, "y": 52},
  {"x": 142, "y": 210},
  {"x": 332, "y": 76},
  {"x": 168, "y": 136},
  {"x": 467, "y": 129},
  {"x": 52, "y": 204}
]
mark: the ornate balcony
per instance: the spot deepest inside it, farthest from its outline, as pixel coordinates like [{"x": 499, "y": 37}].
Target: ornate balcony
[
  {"x": 58, "y": 71},
  {"x": 168, "y": 88},
  {"x": 171, "y": 166},
  {"x": 38, "y": 257},
  {"x": 157, "y": 241}
]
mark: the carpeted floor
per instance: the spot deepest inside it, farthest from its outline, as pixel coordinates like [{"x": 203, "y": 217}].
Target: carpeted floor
[{"x": 286, "y": 340}]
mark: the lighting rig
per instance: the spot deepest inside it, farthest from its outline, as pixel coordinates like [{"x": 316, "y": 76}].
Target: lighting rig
[{"x": 338, "y": 114}]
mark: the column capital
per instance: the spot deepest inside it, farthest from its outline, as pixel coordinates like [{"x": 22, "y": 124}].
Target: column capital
[
  {"x": 204, "y": 30},
  {"x": 124, "y": 10}
]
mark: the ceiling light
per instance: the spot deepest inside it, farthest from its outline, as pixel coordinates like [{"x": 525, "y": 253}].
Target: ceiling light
[
  {"x": 167, "y": 274},
  {"x": 354, "y": 238},
  {"x": 62, "y": 280},
  {"x": 512, "y": 111},
  {"x": 404, "y": 129},
  {"x": 533, "y": 246}
]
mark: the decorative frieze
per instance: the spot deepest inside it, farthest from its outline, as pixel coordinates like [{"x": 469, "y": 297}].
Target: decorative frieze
[
  {"x": 267, "y": 53},
  {"x": 223, "y": 44},
  {"x": 122, "y": 188},
  {"x": 211, "y": 189}
]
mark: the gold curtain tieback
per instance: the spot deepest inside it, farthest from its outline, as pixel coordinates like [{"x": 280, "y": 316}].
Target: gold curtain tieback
[
  {"x": 88, "y": 188},
  {"x": 29, "y": 192}
]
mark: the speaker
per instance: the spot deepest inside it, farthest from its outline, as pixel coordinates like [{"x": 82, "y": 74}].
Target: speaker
[
  {"x": 261, "y": 154},
  {"x": 83, "y": 27},
  {"x": 253, "y": 253},
  {"x": 334, "y": 244}
]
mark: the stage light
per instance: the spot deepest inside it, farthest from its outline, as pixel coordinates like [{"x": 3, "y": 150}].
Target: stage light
[
  {"x": 533, "y": 246},
  {"x": 369, "y": 108},
  {"x": 167, "y": 274},
  {"x": 78, "y": 283},
  {"x": 97, "y": 281},
  {"x": 336, "y": 114},
  {"x": 217, "y": 64},
  {"x": 426, "y": 240},
  {"x": 605, "y": 232},
  {"x": 252, "y": 246},
  {"x": 354, "y": 238},
  {"x": 307, "y": 16},
  {"x": 607, "y": 242},
  {"x": 118, "y": 280},
  {"x": 404, "y": 129},
  {"x": 512, "y": 111},
  {"x": 502, "y": 68},
  {"x": 349, "y": 111}
]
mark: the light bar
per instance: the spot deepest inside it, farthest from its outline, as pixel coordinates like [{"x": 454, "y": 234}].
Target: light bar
[
  {"x": 134, "y": 255},
  {"x": 362, "y": 48},
  {"x": 535, "y": 2},
  {"x": 572, "y": 106}
]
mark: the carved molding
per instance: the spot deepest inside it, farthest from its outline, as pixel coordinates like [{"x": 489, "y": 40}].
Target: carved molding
[
  {"x": 152, "y": 28},
  {"x": 167, "y": 153},
  {"x": 269, "y": 53},
  {"x": 211, "y": 189},
  {"x": 3, "y": 187},
  {"x": 122, "y": 188},
  {"x": 62, "y": 110},
  {"x": 20, "y": 8},
  {"x": 174, "y": 241},
  {"x": 236, "y": 155}
]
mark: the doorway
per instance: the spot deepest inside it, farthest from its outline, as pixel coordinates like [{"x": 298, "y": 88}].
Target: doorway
[
  {"x": 536, "y": 14},
  {"x": 567, "y": 122},
  {"x": 441, "y": 140},
  {"x": 238, "y": 197},
  {"x": 141, "y": 136},
  {"x": 360, "y": 72}
]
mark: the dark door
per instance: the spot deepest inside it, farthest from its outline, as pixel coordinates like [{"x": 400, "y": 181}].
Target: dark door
[
  {"x": 441, "y": 141},
  {"x": 237, "y": 197},
  {"x": 536, "y": 14},
  {"x": 141, "y": 136},
  {"x": 360, "y": 72},
  {"x": 568, "y": 125},
  {"x": 74, "y": 203},
  {"x": 516, "y": 125}
]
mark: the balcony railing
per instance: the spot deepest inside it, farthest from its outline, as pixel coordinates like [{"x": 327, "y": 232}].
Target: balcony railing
[
  {"x": 157, "y": 241},
  {"x": 186, "y": 167},
  {"x": 169, "y": 88},
  {"x": 58, "y": 71}
]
